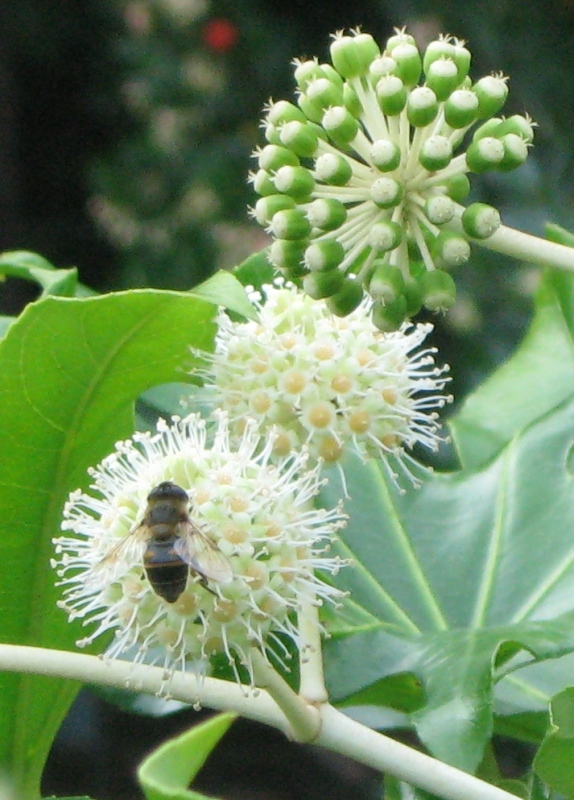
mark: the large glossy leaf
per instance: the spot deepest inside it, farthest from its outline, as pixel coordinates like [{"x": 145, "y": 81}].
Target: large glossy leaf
[
  {"x": 70, "y": 371},
  {"x": 472, "y": 576}
]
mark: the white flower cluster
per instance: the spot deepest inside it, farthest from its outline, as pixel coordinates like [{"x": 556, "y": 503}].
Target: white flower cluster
[
  {"x": 327, "y": 383},
  {"x": 247, "y": 537}
]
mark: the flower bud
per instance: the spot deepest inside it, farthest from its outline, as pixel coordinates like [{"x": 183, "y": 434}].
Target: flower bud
[
  {"x": 351, "y": 101},
  {"x": 263, "y": 184},
  {"x": 515, "y": 152},
  {"x": 457, "y": 187},
  {"x": 440, "y": 209},
  {"x": 385, "y": 235},
  {"x": 324, "y": 93},
  {"x": 519, "y": 125},
  {"x": 307, "y": 71}
]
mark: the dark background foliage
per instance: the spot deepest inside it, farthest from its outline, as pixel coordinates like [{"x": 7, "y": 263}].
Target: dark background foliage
[{"x": 125, "y": 137}]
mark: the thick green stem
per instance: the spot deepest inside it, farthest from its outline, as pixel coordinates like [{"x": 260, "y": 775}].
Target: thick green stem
[
  {"x": 312, "y": 682},
  {"x": 523, "y": 246}
]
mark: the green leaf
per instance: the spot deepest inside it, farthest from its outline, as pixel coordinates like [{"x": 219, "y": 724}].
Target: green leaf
[
  {"x": 71, "y": 371},
  {"x": 5, "y": 323},
  {"x": 224, "y": 289},
  {"x": 554, "y": 761},
  {"x": 462, "y": 574},
  {"x": 35, "y": 268},
  {"x": 166, "y": 773},
  {"x": 538, "y": 378}
]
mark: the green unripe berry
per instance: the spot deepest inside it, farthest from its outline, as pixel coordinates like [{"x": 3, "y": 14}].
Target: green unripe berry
[
  {"x": 300, "y": 138},
  {"x": 352, "y": 55},
  {"x": 461, "y": 109},
  {"x": 492, "y": 91},
  {"x": 488, "y": 128},
  {"x": 387, "y": 283},
  {"x": 484, "y": 154},
  {"x": 439, "y": 209},
  {"x": 422, "y": 106},
  {"x": 385, "y": 236},
  {"x": 390, "y": 317},
  {"x": 519, "y": 125},
  {"x": 413, "y": 296},
  {"x": 391, "y": 94},
  {"x": 347, "y": 299},
  {"x": 340, "y": 124},
  {"x": 313, "y": 111},
  {"x": 327, "y": 214},
  {"x": 324, "y": 255},
  {"x": 307, "y": 71},
  {"x": 273, "y": 157},
  {"x": 288, "y": 255},
  {"x": 436, "y": 50},
  {"x": 408, "y": 61},
  {"x": 333, "y": 169},
  {"x": 457, "y": 187},
  {"x": 263, "y": 184},
  {"x": 351, "y": 101},
  {"x": 515, "y": 152},
  {"x": 290, "y": 223},
  {"x": 385, "y": 155},
  {"x": 386, "y": 192},
  {"x": 319, "y": 285},
  {"x": 282, "y": 112},
  {"x": 294, "y": 181},
  {"x": 325, "y": 93},
  {"x": 435, "y": 153},
  {"x": 266, "y": 207},
  {"x": 442, "y": 77},
  {"x": 380, "y": 67},
  {"x": 480, "y": 220},
  {"x": 449, "y": 250},
  {"x": 400, "y": 37},
  {"x": 438, "y": 290}
]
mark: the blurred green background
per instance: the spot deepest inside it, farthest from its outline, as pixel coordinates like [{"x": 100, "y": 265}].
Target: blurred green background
[{"x": 126, "y": 130}]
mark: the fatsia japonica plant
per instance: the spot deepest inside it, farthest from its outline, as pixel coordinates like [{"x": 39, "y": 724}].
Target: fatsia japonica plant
[{"x": 274, "y": 547}]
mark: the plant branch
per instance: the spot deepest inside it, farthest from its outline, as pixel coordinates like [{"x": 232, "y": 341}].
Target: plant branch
[
  {"x": 312, "y": 685},
  {"x": 523, "y": 246},
  {"x": 343, "y": 735},
  {"x": 338, "y": 732},
  {"x": 304, "y": 719}
]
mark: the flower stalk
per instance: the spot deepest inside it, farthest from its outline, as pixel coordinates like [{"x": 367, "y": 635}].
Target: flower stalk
[{"x": 338, "y": 732}]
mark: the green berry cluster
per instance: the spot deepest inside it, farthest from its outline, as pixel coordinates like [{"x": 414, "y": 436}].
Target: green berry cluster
[{"x": 360, "y": 184}]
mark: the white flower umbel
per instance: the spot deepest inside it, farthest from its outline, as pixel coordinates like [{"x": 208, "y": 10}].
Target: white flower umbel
[
  {"x": 327, "y": 383},
  {"x": 361, "y": 184},
  {"x": 258, "y": 517}
]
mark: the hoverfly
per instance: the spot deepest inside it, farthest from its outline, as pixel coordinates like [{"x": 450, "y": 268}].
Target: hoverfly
[{"x": 174, "y": 545}]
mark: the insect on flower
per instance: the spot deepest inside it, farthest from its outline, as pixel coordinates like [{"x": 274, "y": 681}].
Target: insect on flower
[{"x": 174, "y": 545}]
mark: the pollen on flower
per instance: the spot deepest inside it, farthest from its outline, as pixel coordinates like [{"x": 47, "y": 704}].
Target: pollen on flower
[
  {"x": 367, "y": 169},
  {"x": 229, "y": 591},
  {"x": 344, "y": 385}
]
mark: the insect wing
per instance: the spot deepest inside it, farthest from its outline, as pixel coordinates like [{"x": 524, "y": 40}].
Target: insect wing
[
  {"x": 128, "y": 550},
  {"x": 193, "y": 547}
]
